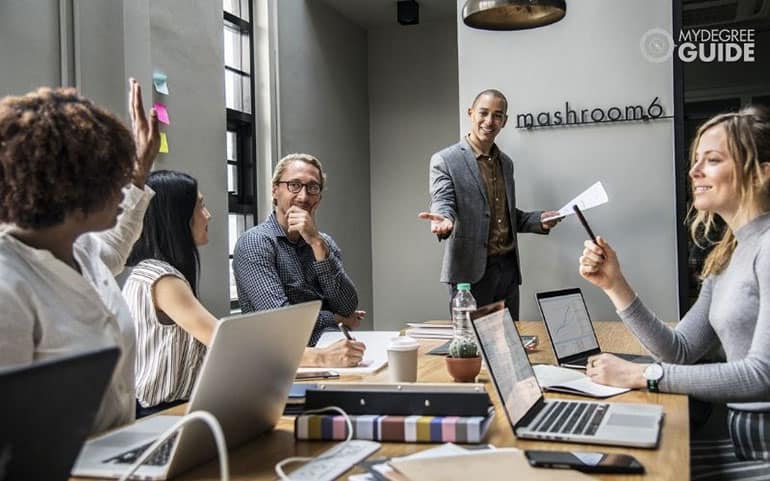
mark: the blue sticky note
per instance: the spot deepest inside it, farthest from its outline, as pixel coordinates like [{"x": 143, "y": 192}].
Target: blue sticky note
[{"x": 160, "y": 80}]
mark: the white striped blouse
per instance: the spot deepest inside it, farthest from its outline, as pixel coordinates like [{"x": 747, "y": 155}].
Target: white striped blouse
[{"x": 168, "y": 358}]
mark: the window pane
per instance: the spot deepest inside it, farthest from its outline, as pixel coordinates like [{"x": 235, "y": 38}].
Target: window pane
[
  {"x": 233, "y": 288},
  {"x": 232, "y": 179},
  {"x": 232, "y": 150},
  {"x": 232, "y": 231},
  {"x": 237, "y": 92},
  {"x": 239, "y": 8},
  {"x": 236, "y": 48}
]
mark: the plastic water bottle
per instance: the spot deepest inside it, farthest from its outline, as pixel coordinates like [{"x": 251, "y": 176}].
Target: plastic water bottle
[{"x": 463, "y": 304}]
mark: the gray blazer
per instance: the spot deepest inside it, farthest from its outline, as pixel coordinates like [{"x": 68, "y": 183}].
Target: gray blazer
[{"x": 458, "y": 193}]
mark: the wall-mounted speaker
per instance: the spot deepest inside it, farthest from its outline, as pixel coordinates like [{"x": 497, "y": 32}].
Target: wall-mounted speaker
[{"x": 408, "y": 12}]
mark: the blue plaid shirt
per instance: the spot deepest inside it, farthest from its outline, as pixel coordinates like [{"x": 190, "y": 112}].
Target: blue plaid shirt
[{"x": 271, "y": 271}]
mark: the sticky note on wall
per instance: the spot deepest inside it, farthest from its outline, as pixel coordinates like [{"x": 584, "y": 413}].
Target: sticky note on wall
[
  {"x": 163, "y": 143},
  {"x": 162, "y": 112},
  {"x": 160, "y": 81}
]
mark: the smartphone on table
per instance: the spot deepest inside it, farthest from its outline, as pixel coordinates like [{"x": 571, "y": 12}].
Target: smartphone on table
[{"x": 587, "y": 462}]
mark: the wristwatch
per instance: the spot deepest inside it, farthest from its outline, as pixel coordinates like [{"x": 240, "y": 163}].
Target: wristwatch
[{"x": 653, "y": 374}]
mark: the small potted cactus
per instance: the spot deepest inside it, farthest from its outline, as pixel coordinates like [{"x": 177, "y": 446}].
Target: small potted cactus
[{"x": 463, "y": 361}]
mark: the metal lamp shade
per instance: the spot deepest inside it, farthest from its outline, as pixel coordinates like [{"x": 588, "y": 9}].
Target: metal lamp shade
[{"x": 512, "y": 14}]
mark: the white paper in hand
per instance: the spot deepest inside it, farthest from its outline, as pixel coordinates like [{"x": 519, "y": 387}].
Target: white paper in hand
[{"x": 591, "y": 197}]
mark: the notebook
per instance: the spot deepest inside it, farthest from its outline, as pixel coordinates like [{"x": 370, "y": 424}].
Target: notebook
[
  {"x": 570, "y": 329},
  {"x": 531, "y": 416}
]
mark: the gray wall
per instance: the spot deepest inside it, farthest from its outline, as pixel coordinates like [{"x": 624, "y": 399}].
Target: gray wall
[
  {"x": 29, "y": 45},
  {"x": 323, "y": 110},
  {"x": 413, "y": 113},
  {"x": 591, "y": 58},
  {"x": 186, "y": 44}
]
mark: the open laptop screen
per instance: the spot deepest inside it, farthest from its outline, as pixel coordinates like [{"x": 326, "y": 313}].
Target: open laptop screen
[
  {"x": 567, "y": 321},
  {"x": 508, "y": 363}
]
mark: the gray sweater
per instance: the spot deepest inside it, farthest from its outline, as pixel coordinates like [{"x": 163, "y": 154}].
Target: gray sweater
[{"x": 733, "y": 307}]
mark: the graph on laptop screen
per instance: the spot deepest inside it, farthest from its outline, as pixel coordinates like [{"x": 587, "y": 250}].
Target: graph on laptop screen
[
  {"x": 569, "y": 324},
  {"x": 515, "y": 379}
]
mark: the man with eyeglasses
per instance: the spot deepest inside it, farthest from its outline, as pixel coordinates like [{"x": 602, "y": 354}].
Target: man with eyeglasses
[
  {"x": 286, "y": 260},
  {"x": 473, "y": 206}
]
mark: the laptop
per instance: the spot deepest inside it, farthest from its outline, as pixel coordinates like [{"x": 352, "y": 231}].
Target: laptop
[
  {"x": 244, "y": 382},
  {"x": 47, "y": 410},
  {"x": 533, "y": 417},
  {"x": 570, "y": 329}
]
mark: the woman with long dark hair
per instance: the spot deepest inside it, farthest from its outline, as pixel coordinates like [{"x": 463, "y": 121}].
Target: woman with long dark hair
[{"x": 172, "y": 326}]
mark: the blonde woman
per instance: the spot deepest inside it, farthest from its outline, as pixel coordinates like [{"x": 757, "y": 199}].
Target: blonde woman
[{"x": 730, "y": 173}]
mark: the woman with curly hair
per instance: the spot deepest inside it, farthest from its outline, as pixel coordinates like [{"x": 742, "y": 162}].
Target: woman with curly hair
[
  {"x": 730, "y": 176},
  {"x": 68, "y": 227}
]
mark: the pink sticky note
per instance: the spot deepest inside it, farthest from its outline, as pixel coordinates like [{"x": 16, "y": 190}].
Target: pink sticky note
[{"x": 162, "y": 113}]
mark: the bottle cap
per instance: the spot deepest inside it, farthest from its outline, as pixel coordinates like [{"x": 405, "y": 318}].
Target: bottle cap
[{"x": 463, "y": 286}]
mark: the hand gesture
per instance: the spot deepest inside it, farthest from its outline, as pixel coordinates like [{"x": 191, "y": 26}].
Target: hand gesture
[
  {"x": 439, "y": 225},
  {"x": 352, "y": 321},
  {"x": 613, "y": 371},
  {"x": 342, "y": 353},
  {"x": 302, "y": 222},
  {"x": 146, "y": 135},
  {"x": 599, "y": 264},
  {"x": 551, "y": 223}
]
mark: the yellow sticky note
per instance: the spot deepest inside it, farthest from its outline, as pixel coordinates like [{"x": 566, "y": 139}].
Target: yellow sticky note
[{"x": 163, "y": 143}]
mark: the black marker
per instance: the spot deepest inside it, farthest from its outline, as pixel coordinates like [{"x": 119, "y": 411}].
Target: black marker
[{"x": 585, "y": 223}]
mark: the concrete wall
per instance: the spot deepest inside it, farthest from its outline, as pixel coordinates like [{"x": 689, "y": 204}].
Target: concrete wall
[
  {"x": 323, "y": 110},
  {"x": 413, "y": 113},
  {"x": 591, "y": 58},
  {"x": 29, "y": 45},
  {"x": 187, "y": 44}
]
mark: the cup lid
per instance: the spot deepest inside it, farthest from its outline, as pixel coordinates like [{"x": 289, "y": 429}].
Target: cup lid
[{"x": 403, "y": 343}]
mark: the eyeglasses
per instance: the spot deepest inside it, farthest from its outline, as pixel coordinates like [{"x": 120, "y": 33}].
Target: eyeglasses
[{"x": 295, "y": 186}]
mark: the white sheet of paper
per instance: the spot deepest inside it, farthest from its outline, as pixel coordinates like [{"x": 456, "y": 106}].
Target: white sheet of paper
[
  {"x": 375, "y": 357},
  {"x": 590, "y": 198}
]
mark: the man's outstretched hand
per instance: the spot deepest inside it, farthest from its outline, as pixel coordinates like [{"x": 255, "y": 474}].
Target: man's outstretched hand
[{"x": 439, "y": 225}]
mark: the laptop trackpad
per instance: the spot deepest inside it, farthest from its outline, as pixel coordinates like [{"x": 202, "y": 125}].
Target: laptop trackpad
[{"x": 631, "y": 420}]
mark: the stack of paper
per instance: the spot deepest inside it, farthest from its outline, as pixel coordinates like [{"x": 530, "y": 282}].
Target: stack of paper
[{"x": 429, "y": 330}]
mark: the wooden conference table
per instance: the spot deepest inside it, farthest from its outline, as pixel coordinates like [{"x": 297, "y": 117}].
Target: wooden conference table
[{"x": 670, "y": 461}]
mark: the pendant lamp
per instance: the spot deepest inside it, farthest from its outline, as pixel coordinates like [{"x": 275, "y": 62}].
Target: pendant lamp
[{"x": 512, "y": 14}]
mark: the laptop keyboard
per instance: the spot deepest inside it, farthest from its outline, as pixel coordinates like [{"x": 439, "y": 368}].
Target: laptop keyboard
[
  {"x": 159, "y": 458},
  {"x": 566, "y": 417}
]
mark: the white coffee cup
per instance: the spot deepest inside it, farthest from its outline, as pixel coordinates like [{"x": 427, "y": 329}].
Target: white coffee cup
[{"x": 402, "y": 359}]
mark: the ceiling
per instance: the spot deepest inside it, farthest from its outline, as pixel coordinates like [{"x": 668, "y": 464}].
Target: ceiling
[{"x": 382, "y": 13}]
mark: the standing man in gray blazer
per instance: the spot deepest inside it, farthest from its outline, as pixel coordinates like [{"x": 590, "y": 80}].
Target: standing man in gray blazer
[{"x": 473, "y": 206}]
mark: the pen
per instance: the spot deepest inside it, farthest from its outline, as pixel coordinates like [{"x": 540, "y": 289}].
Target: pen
[
  {"x": 345, "y": 331},
  {"x": 585, "y": 223}
]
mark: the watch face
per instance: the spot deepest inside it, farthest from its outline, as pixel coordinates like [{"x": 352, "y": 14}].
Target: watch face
[{"x": 653, "y": 372}]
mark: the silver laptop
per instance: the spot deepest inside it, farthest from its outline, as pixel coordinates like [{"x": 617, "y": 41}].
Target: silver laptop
[
  {"x": 570, "y": 329},
  {"x": 531, "y": 416},
  {"x": 244, "y": 382}
]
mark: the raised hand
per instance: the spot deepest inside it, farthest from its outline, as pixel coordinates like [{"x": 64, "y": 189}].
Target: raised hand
[
  {"x": 599, "y": 264},
  {"x": 439, "y": 225},
  {"x": 146, "y": 135}
]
